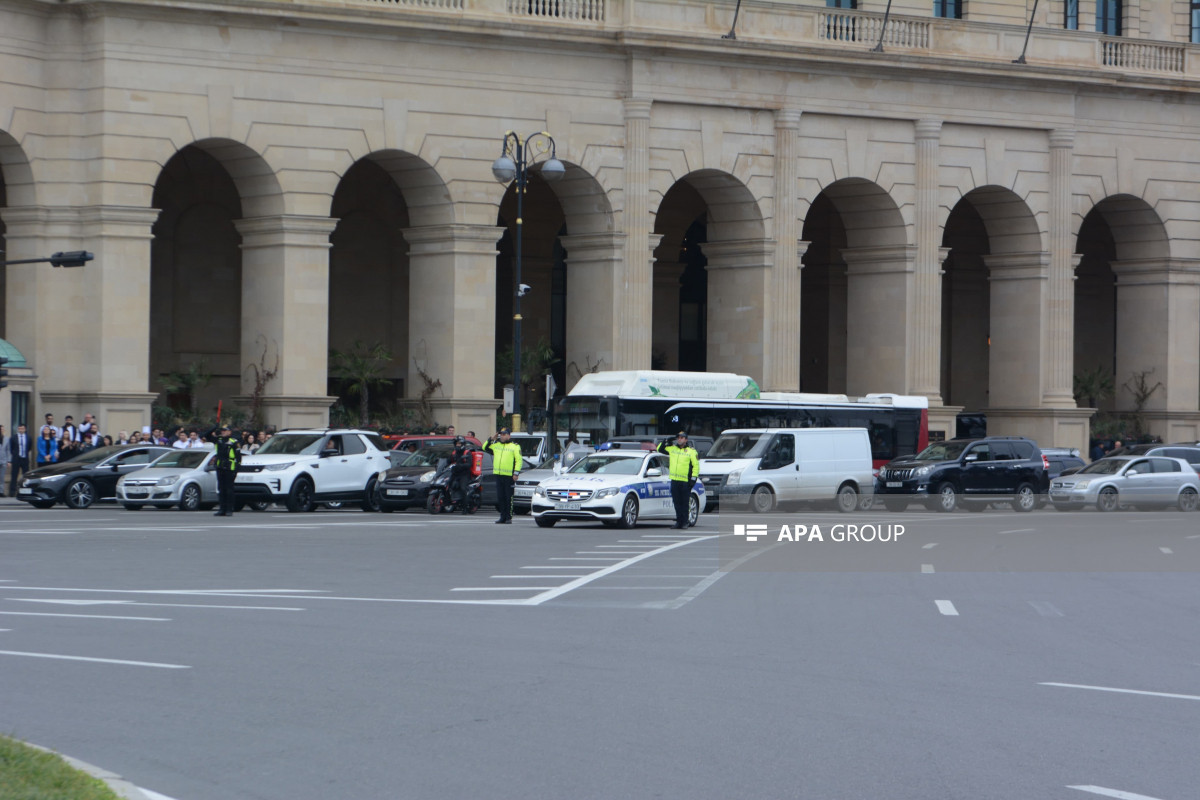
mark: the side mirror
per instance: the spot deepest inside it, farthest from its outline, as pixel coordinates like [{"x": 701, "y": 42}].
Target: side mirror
[
  {"x": 971, "y": 457},
  {"x": 329, "y": 452},
  {"x": 211, "y": 466},
  {"x": 654, "y": 472}
]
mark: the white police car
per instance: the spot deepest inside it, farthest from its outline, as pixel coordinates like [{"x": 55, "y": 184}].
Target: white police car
[{"x": 617, "y": 487}]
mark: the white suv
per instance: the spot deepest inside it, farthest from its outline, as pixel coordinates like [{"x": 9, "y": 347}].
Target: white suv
[{"x": 301, "y": 468}]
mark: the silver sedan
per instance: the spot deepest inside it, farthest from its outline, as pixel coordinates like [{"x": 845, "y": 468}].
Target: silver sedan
[
  {"x": 183, "y": 478},
  {"x": 1123, "y": 481}
]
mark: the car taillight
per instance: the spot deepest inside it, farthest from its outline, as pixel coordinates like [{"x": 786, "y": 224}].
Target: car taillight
[{"x": 1045, "y": 462}]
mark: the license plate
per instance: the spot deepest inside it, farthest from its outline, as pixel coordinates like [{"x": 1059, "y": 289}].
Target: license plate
[
  {"x": 569, "y": 506},
  {"x": 24, "y": 491},
  {"x": 895, "y": 484},
  {"x": 523, "y": 492},
  {"x": 397, "y": 492},
  {"x": 243, "y": 478}
]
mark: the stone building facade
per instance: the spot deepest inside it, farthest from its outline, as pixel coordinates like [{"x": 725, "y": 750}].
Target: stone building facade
[{"x": 268, "y": 179}]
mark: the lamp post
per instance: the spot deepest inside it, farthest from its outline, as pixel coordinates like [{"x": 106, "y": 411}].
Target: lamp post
[{"x": 517, "y": 157}]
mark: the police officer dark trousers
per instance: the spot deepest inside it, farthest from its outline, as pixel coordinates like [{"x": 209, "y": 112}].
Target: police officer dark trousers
[
  {"x": 506, "y": 465},
  {"x": 685, "y": 467},
  {"x": 228, "y": 458}
]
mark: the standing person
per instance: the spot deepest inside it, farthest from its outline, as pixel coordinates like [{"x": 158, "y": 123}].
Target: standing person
[
  {"x": 506, "y": 465},
  {"x": 181, "y": 440},
  {"x": 460, "y": 468},
  {"x": 228, "y": 458},
  {"x": 69, "y": 429},
  {"x": 66, "y": 448},
  {"x": 47, "y": 447},
  {"x": 20, "y": 445},
  {"x": 55, "y": 431},
  {"x": 3, "y": 458},
  {"x": 685, "y": 467},
  {"x": 89, "y": 424}
]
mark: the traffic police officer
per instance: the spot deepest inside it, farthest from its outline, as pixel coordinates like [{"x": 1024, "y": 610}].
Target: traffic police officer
[
  {"x": 685, "y": 467},
  {"x": 227, "y": 460},
  {"x": 506, "y": 465}
]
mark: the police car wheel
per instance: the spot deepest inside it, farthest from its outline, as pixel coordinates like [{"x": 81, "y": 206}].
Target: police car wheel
[
  {"x": 629, "y": 512},
  {"x": 693, "y": 510}
]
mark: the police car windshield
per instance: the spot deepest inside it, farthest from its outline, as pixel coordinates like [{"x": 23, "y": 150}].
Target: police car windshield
[
  {"x": 182, "y": 459},
  {"x": 291, "y": 444},
  {"x": 607, "y": 465},
  {"x": 734, "y": 445},
  {"x": 942, "y": 451}
]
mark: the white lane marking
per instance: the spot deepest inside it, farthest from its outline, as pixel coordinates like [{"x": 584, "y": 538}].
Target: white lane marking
[
  {"x": 94, "y": 660},
  {"x": 1193, "y": 536},
  {"x": 586, "y": 579},
  {"x": 155, "y": 605},
  {"x": 605, "y": 553},
  {"x": 595, "y": 588},
  {"x": 80, "y": 616},
  {"x": 202, "y": 592},
  {"x": 1123, "y": 691},
  {"x": 1166, "y": 550},
  {"x": 572, "y": 558},
  {"x": 1045, "y": 609},
  {"x": 537, "y": 576},
  {"x": 626, "y": 546},
  {"x": 1022, "y": 530},
  {"x": 501, "y": 588},
  {"x": 44, "y": 533},
  {"x": 558, "y": 566},
  {"x": 1117, "y": 793},
  {"x": 929, "y": 546},
  {"x": 710, "y": 579},
  {"x": 927, "y": 568},
  {"x": 946, "y": 607}
]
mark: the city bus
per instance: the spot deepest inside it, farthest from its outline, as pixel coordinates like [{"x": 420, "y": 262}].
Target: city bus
[{"x": 660, "y": 403}]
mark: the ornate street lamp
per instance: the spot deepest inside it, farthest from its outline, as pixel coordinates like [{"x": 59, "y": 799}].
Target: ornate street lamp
[{"x": 517, "y": 158}]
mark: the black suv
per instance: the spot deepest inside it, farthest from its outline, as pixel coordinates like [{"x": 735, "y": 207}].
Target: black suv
[{"x": 967, "y": 472}]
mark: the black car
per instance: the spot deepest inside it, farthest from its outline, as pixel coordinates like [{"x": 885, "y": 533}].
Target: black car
[
  {"x": 967, "y": 472},
  {"x": 87, "y": 477},
  {"x": 1063, "y": 459},
  {"x": 407, "y": 483}
]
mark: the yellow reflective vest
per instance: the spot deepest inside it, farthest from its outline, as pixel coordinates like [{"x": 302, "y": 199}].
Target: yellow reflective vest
[
  {"x": 685, "y": 462},
  {"x": 506, "y": 458}
]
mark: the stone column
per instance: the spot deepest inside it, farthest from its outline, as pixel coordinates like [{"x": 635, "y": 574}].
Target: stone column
[
  {"x": 782, "y": 364},
  {"x": 85, "y": 331},
  {"x": 1158, "y": 326},
  {"x": 666, "y": 312},
  {"x": 739, "y": 283},
  {"x": 451, "y": 319},
  {"x": 925, "y": 321},
  {"x": 593, "y": 262},
  {"x": 1018, "y": 294},
  {"x": 878, "y": 296},
  {"x": 285, "y": 309},
  {"x": 633, "y": 285},
  {"x": 1057, "y": 373}
]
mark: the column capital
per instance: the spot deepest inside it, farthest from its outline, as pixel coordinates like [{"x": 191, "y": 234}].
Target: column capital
[
  {"x": 1018, "y": 266},
  {"x": 879, "y": 260},
  {"x": 1062, "y": 138},
  {"x": 289, "y": 229},
  {"x": 453, "y": 238},
  {"x": 739, "y": 254},
  {"x": 588, "y": 242},
  {"x": 787, "y": 119},
  {"x": 637, "y": 107},
  {"x": 928, "y": 128},
  {"x": 1161, "y": 271}
]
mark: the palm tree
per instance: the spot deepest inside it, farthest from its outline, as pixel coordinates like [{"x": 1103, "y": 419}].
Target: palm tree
[{"x": 361, "y": 367}]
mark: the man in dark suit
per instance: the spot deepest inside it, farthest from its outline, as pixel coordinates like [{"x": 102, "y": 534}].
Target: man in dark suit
[{"x": 20, "y": 449}]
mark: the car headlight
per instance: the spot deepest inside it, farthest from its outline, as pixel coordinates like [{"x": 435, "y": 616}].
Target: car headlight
[
  {"x": 734, "y": 478},
  {"x": 381, "y": 475},
  {"x": 921, "y": 472},
  {"x": 170, "y": 480},
  {"x": 609, "y": 492},
  {"x": 53, "y": 478},
  {"x": 1083, "y": 484},
  {"x": 540, "y": 491},
  {"x": 428, "y": 476},
  {"x": 280, "y": 467}
]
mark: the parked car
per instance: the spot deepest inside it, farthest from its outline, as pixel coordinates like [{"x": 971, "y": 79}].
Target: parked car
[
  {"x": 302, "y": 468},
  {"x": 616, "y": 487},
  {"x": 407, "y": 484},
  {"x": 1062, "y": 460},
  {"x": 762, "y": 467},
  {"x": 183, "y": 478},
  {"x": 87, "y": 477},
  {"x": 1121, "y": 481},
  {"x": 967, "y": 472},
  {"x": 1188, "y": 452}
]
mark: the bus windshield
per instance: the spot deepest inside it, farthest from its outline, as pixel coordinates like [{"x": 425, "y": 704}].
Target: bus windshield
[
  {"x": 735, "y": 445},
  {"x": 595, "y": 417}
]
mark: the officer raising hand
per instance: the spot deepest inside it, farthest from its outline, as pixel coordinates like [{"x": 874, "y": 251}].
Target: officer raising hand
[
  {"x": 685, "y": 467},
  {"x": 506, "y": 465}
]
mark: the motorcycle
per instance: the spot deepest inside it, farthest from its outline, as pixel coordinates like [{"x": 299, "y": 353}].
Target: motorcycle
[{"x": 439, "y": 499}]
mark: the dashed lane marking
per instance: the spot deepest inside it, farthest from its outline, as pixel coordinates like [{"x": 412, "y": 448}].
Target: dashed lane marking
[
  {"x": 946, "y": 607},
  {"x": 1123, "y": 691},
  {"x": 1021, "y": 530},
  {"x": 1045, "y": 609},
  {"x": 1166, "y": 550},
  {"x": 80, "y": 616},
  {"x": 93, "y": 660},
  {"x": 926, "y": 568},
  {"x": 929, "y": 546},
  {"x": 157, "y": 605},
  {"x": 1116, "y": 793}
]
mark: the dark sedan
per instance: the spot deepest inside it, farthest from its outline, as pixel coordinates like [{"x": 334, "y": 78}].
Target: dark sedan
[
  {"x": 407, "y": 483},
  {"x": 87, "y": 477}
]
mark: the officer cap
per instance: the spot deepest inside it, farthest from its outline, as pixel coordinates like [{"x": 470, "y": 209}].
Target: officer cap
[
  {"x": 681, "y": 435},
  {"x": 505, "y": 430}
]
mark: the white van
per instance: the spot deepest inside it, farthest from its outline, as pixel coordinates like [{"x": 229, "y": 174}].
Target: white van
[{"x": 762, "y": 467}]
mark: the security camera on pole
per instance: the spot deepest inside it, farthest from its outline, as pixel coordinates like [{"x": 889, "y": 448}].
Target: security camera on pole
[{"x": 517, "y": 157}]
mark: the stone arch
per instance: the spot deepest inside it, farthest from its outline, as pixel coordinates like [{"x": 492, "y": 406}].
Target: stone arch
[
  {"x": 858, "y": 246},
  {"x": 256, "y": 181},
  {"x": 714, "y": 258},
  {"x": 17, "y": 189},
  {"x": 995, "y": 271}
]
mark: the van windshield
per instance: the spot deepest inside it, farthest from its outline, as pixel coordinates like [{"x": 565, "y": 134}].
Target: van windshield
[{"x": 737, "y": 445}]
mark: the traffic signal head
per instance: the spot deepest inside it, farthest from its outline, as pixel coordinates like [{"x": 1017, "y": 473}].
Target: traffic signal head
[{"x": 74, "y": 258}]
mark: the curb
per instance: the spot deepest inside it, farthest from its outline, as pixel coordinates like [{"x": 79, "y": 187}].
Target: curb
[{"x": 123, "y": 788}]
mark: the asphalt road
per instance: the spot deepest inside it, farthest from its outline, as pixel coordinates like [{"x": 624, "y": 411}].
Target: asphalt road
[{"x": 349, "y": 655}]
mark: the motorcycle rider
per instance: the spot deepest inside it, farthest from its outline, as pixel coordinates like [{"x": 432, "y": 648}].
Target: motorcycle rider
[{"x": 460, "y": 469}]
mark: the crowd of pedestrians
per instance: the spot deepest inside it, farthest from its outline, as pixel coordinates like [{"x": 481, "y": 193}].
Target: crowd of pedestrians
[{"x": 23, "y": 450}]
